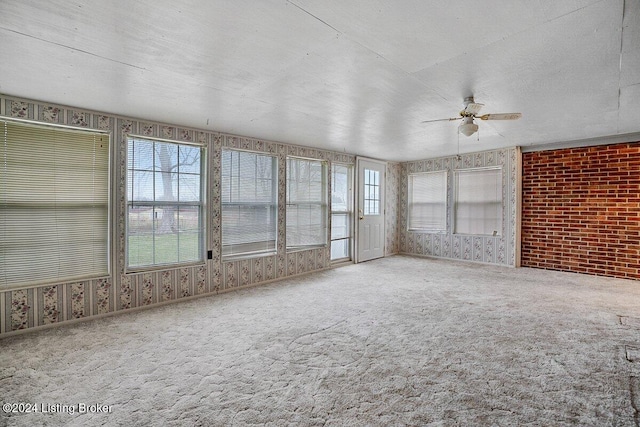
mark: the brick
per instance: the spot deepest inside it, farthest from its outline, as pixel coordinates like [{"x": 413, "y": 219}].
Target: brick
[{"x": 581, "y": 210}]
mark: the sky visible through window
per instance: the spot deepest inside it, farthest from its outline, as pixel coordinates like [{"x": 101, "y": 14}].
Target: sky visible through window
[{"x": 163, "y": 171}]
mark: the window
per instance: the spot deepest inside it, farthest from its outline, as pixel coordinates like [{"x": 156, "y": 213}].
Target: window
[
  {"x": 428, "y": 201},
  {"x": 165, "y": 205},
  {"x": 249, "y": 203},
  {"x": 306, "y": 203},
  {"x": 371, "y": 192},
  {"x": 54, "y": 204},
  {"x": 341, "y": 211},
  {"x": 478, "y": 208}
]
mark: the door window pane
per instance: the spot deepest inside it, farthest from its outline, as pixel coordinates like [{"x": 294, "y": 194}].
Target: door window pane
[{"x": 371, "y": 192}]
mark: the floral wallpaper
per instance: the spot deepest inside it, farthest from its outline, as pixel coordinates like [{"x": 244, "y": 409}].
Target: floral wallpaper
[
  {"x": 501, "y": 249},
  {"x": 44, "y": 305},
  {"x": 76, "y": 301},
  {"x": 49, "y": 300},
  {"x": 103, "y": 300},
  {"x": 392, "y": 187},
  {"x": 19, "y": 309}
]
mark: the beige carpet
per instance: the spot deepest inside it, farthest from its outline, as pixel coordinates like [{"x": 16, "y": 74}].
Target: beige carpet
[{"x": 397, "y": 341}]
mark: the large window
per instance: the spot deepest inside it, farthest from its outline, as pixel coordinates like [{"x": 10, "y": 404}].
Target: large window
[
  {"x": 54, "y": 204},
  {"x": 478, "y": 206},
  {"x": 249, "y": 204},
  {"x": 306, "y": 203},
  {"x": 165, "y": 223},
  {"x": 428, "y": 201},
  {"x": 341, "y": 217}
]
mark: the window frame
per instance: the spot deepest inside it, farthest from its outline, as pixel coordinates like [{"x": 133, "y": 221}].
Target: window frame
[
  {"x": 348, "y": 212},
  {"x": 324, "y": 205},
  {"x": 498, "y": 232},
  {"x": 108, "y": 207},
  {"x": 274, "y": 204},
  {"x": 410, "y": 198},
  {"x": 202, "y": 207}
]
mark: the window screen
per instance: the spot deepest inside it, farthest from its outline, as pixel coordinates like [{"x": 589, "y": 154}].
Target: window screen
[
  {"x": 249, "y": 203},
  {"x": 54, "y": 199},
  {"x": 165, "y": 203},
  {"x": 428, "y": 201},
  {"x": 306, "y": 203},
  {"x": 478, "y": 206}
]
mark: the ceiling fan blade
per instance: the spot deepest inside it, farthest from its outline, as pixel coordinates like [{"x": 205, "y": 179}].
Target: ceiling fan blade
[
  {"x": 442, "y": 120},
  {"x": 500, "y": 116},
  {"x": 473, "y": 108}
]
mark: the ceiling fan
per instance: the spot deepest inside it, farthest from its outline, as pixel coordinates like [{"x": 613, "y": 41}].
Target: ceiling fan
[{"x": 471, "y": 109}]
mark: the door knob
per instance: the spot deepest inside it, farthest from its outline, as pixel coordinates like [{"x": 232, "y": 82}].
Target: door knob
[{"x": 361, "y": 214}]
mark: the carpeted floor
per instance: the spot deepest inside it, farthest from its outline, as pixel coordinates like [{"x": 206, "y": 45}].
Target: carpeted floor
[{"x": 392, "y": 342}]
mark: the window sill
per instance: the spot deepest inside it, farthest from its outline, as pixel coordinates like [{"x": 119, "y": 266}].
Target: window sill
[
  {"x": 240, "y": 257},
  {"x": 162, "y": 267},
  {"x": 53, "y": 282},
  {"x": 305, "y": 248},
  {"x": 477, "y": 235}
]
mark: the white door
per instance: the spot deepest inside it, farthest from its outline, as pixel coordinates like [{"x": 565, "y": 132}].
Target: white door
[{"x": 370, "y": 235}]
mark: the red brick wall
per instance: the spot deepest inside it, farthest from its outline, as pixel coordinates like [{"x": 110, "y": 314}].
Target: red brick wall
[{"x": 581, "y": 210}]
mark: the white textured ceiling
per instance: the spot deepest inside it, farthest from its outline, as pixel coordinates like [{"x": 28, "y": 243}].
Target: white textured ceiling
[{"x": 357, "y": 76}]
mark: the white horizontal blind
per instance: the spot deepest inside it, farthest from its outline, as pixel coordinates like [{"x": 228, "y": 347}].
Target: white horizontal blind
[
  {"x": 249, "y": 203},
  {"x": 478, "y": 207},
  {"x": 428, "y": 201},
  {"x": 54, "y": 198},
  {"x": 306, "y": 203},
  {"x": 165, "y": 202}
]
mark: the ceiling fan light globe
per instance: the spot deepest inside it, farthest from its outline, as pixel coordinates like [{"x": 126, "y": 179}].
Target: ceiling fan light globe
[{"x": 468, "y": 129}]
